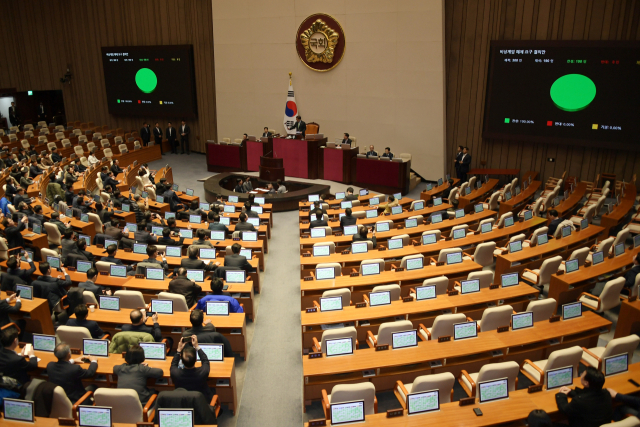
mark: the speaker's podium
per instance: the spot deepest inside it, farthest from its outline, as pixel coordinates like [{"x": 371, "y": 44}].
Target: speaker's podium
[{"x": 271, "y": 168}]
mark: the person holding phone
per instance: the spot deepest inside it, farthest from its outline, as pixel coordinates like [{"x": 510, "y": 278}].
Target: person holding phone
[
  {"x": 138, "y": 324},
  {"x": 13, "y": 364},
  {"x": 52, "y": 288},
  {"x": 362, "y": 235},
  {"x": 191, "y": 378}
]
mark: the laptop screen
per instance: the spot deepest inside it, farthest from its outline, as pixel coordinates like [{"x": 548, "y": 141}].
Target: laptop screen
[
  {"x": 53, "y": 261},
  {"x": 528, "y": 215},
  {"x": 425, "y": 292},
  {"x": 91, "y": 347},
  {"x": 469, "y": 286},
  {"x": 374, "y": 201},
  {"x": 217, "y": 308},
  {"x": 359, "y": 247},
  {"x": 217, "y": 235},
  {"x": 235, "y": 276},
  {"x": 323, "y": 250},
  {"x": 159, "y": 199},
  {"x": 350, "y": 230},
  {"x": 382, "y": 226},
  {"x": 44, "y": 342},
  {"x": 597, "y": 257},
  {"x": 126, "y": 207},
  {"x": 250, "y": 236},
  {"x": 396, "y": 210},
  {"x": 83, "y": 266},
  {"x": 154, "y": 274},
  {"x": 339, "y": 196},
  {"x": 154, "y": 350},
  {"x": 571, "y": 265},
  {"x": 229, "y": 209},
  {"x": 168, "y": 215},
  {"x": 195, "y": 275},
  {"x": 619, "y": 249},
  {"x": 510, "y": 279},
  {"x": 465, "y": 330},
  {"x": 314, "y": 197},
  {"x": 454, "y": 258},
  {"x": 425, "y": 401},
  {"x": 225, "y": 220},
  {"x": 371, "y": 213},
  {"x": 109, "y": 303},
  {"x": 459, "y": 233},
  {"x": 139, "y": 248},
  {"x": 430, "y": 238},
  {"x": 245, "y": 253},
  {"x": 207, "y": 253},
  {"x": 324, "y": 273},
  {"x": 493, "y": 390},
  {"x": 557, "y": 378},
  {"x": 395, "y": 243},
  {"x": 411, "y": 222},
  {"x": 195, "y": 219},
  {"x": 404, "y": 339},
  {"x": 486, "y": 227},
  {"x": 370, "y": 269},
  {"x": 25, "y": 291},
  {"x": 415, "y": 263},
  {"x": 318, "y": 232},
  {"x": 584, "y": 223},
  {"x": 522, "y": 320},
  {"x": 189, "y": 191},
  {"x": 571, "y": 310},
  {"x": 508, "y": 221},
  {"x": 418, "y": 206},
  {"x": 157, "y": 231},
  {"x": 175, "y": 417},
  {"x": 174, "y": 251},
  {"x": 232, "y": 199},
  {"x": 364, "y": 192},
  {"x": 616, "y": 364},
  {"x": 379, "y": 298},
  {"x": 162, "y": 306},
  {"x": 37, "y": 228},
  {"x": 330, "y": 303},
  {"x": 339, "y": 347},
  {"x": 118, "y": 270}
]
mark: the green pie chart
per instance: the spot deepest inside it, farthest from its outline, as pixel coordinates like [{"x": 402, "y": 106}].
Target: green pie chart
[
  {"x": 146, "y": 80},
  {"x": 573, "y": 92}
]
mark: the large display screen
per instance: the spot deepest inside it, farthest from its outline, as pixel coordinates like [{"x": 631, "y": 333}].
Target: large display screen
[
  {"x": 152, "y": 81},
  {"x": 564, "y": 92}
]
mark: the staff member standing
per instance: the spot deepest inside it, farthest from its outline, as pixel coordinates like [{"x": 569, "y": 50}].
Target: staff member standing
[
  {"x": 41, "y": 114},
  {"x": 465, "y": 162},
  {"x": 157, "y": 135},
  {"x": 13, "y": 115},
  {"x": 171, "y": 137},
  {"x": 184, "y": 137},
  {"x": 456, "y": 162},
  {"x": 145, "y": 134},
  {"x": 299, "y": 126}
]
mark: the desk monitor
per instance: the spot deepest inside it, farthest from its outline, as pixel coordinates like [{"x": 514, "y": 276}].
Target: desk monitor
[
  {"x": 83, "y": 266},
  {"x": 225, "y": 220},
  {"x": 339, "y": 346},
  {"x": 370, "y": 269},
  {"x": 597, "y": 258},
  {"x": 429, "y": 238},
  {"x": 467, "y": 191},
  {"x": 162, "y": 306},
  {"x": 214, "y": 352},
  {"x": 168, "y": 215},
  {"x": 26, "y": 291},
  {"x": 556, "y": 201},
  {"x": 350, "y": 230},
  {"x": 543, "y": 239},
  {"x": 429, "y": 187},
  {"x": 522, "y": 320},
  {"x": 68, "y": 213},
  {"x": 54, "y": 261},
  {"x": 616, "y": 364},
  {"x": 424, "y": 401},
  {"x": 437, "y": 201},
  {"x": 314, "y": 197},
  {"x": 175, "y": 187},
  {"x": 414, "y": 263},
  {"x": 186, "y": 233},
  {"x": 371, "y": 213},
  {"x": 217, "y": 235},
  {"x": 528, "y": 215},
  {"x": 235, "y": 276},
  {"x": 250, "y": 236},
  {"x": 571, "y": 310},
  {"x": 86, "y": 238},
  {"x": 254, "y": 221},
  {"x": 313, "y": 217},
  {"x": 584, "y": 223},
  {"x": 566, "y": 231},
  {"x": 418, "y": 205},
  {"x": 459, "y": 233},
  {"x": 359, "y": 247},
  {"x": 229, "y": 209},
  {"x": 379, "y": 298},
  {"x": 440, "y": 181},
  {"x": 397, "y": 196},
  {"x": 37, "y": 228},
  {"x": 144, "y": 194},
  {"x": 23, "y": 410},
  {"x": 175, "y": 417},
  {"x": 459, "y": 213},
  {"x": 330, "y": 303},
  {"x": 27, "y": 255},
  {"x": 157, "y": 231},
  {"x": 515, "y": 246},
  {"x": 159, "y": 199},
  {"x": 173, "y": 251},
  {"x": 232, "y": 199},
  {"x": 245, "y": 253},
  {"x": 454, "y": 258},
  {"x": 508, "y": 221},
  {"x": 56, "y": 207},
  {"x": 195, "y": 219},
  {"x": 559, "y": 377},
  {"x": 217, "y": 308},
  {"x": 189, "y": 191},
  {"x": 465, "y": 330},
  {"x": 509, "y": 279},
  {"x": 410, "y": 222},
  {"x": 425, "y": 292},
  {"x": 259, "y": 200},
  {"x": 571, "y": 266},
  {"x": 207, "y": 253},
  {"x": 257, "y": 209},
  {"x": 44, "y": 342},
  {"x": 346, "y": 204},
  {"x": 486, "y": 227},
  {"x": 84, "y": 218},
  {"x": 91, "y": 347},
  {"x": 374, "y": 201},
  {"x": 517, "y": 190},
  {"x": 109, "y": 303},
  {"x": 436, "y": 218},
  {"x": 140, "y": 248},
  {"x": 636, "y": 239},
  {"x": 469, "y": 286},
  {"x": 318, "y": 232},
  {"x": 404, "y": 339},
  {"x": 323, "y": 250},
  {"x": 363, "y": 192},
  {"x": 478, "y": 208},
  {"x": 340, "y": 196},
  {"x": 195, "y": 275},
  {"x": 117, "y": 270},
  {"x": 382, "y": 226},
  {"x": 395, "y": 243},
  {"x": 325, "y": 273},
  {"x": 619, "y": 249},
  {"x": 154, "y": 350},
  {"x": 131, "y": 226},
  {"x": 507, "y": 196},
  {"x": 493, "y": 390},
  {"x": 154, "y": 274}
]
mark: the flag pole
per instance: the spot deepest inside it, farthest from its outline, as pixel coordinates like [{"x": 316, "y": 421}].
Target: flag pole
[{"x": 290, "y": 73}]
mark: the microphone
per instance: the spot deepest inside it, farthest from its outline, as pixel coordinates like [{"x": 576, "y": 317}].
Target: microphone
[{"x": 268, "y": 153}]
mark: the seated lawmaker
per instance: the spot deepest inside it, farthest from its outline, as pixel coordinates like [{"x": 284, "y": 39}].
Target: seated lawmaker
[
  {"x": 201, "y": 234},
  {"x": 390, "y": 204},
  {"x": 81, "y": 311},
  {"x": 218, "y": 295},
  {"x": 91, "y": 286},
  {"x": 112, "y": 251},
  {"x": 319, "y": 221},
  {"x": 266, "y": 133},
  {"x": 387, "y": 153},
  {"x": 193, "y": 263},
  {"x": 138, "y": 324},
  {"x": 345, "y": 139},
  {"x": 348, "y": 218},
  {"x": 134, "y": 374},
  {"x": 198, "y": 327},
  {"x": 281, "y": 188},
  {"x": 167, "y": 240},
  {"x": 247, "y": 210},
  {"x": 361, "y": 236},
  {"x": 182, "y": 285},
  {"x": 239, "y": 188},
  {"x": 371, "y": 152},
  {"x": 215, "y": 224},
  {"x": 590, "y": 406},
  {"x": 152, "y": 252},
  {"x": 236, "y": 260},
  {"x": 349, "y": 195},
  {"x": 13, "y": 269},
  {"x": 12, "y": 364},
  {"x": 68, "y": 373},
  {"x": 243, "y": 225},
  {"x": 191, "y": 378},
  {"x": 555, "y": 222},
  {"x": 630, "y": 275}
]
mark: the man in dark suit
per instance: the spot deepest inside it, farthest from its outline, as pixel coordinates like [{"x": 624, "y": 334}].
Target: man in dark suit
[
  {"x": 143, "y": 236},
  {"x": 167, "y": 240},
  {"x": 362, "y": 236},
  {"x": 138, "y": 320},
  {"x": 590, "y": 406},
  {"x": 12, "y": 364},
  {"x": 319, "y": 221},
  {"x": 348, "y": 218},
  {"x": 237, "y": 260},
  {"x": 112, "y": 251},
  {"x": 554, "y": 223},
  {"x": 197, "y": 326},
  {"x": 91, "y": 286},
  {"x": 238, "y": 188},
  {"x": 145, "y": 134},
  {"x": 115, "y": 167},
  {"x": 456, "y": 161},
  {"x": 372, "y": 152},
  {"x": 12, "y": 231},
  {"x": 630, "y": 275},
  {"x": 191, "y": 378},
  {"x": 387, "y": 153},
  {"x": 182, "y": 285},
  {"x": 349, "y": 195},
  {"x": 266, "y": 133},
  {"x": 345, "y": 139},
  {"x": 184, "y": 137},
  {"x": 81, "y": 311},
  {"x": 13, "y": 114},
  {"x": 193, "y": 263},
  {"x": 41, "y": 112},
  {"x": 56, "y": 220},
  {"x": 250, "y": 213},
  {"x": 21, "y": 197},
  {"x": 157, "y": 134},
  {"x": 55, "y": 156},
  {"x": 243, "y": 225},
  {"x": 13, "y": 269},
  {"x": 152, "y": 252},
  {"x": 215, "y": 224},
  {"x": 54, "y": 288},
  {"x": 465, "y": 164},
  {"x": 68, "y": 374},
  {"x": 299, "y": 126},
  {"x": 171, "y": 137},
  {"x": 7, "y": 309}
]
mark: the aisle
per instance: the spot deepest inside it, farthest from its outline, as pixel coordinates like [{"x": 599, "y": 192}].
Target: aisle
[{"x": 272, "y": 392}]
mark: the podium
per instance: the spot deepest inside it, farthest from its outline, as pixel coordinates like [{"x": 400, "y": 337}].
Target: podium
[{"x": 271, "y": 168}]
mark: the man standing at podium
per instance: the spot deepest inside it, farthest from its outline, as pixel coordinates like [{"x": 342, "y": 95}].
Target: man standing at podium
[{"x": 299, "y": 126}]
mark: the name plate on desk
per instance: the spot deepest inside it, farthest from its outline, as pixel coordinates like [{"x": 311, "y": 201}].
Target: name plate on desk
[
  {"x": 315, "y": 355},
  {"x": 633, "y": 298},
  {"x": 503, "y": 329},
  {"x": 466, "y": 401},
  {"x": 305, "y": 222},
  {"x": 354, "y": 274},
  {"x": 103, "y": 273},
  {"x": 317, "y": 423},
  {"x": 559, "y": 273},
  {"x": 553, "y": 319},
  {"x": 439, "y": 263},
  {"x": 381, "y": 248},
  {"x": 587, "y": 264},
  {"x": 236, "y": 239},
  {"x": 534, "y": 388},
  {"x": 66, "y": 422},
  {"x": 338, "y": 234},
  {"x": 415, "y": 243},
  {"x": 305, "y": 236},
  {"x": 452, "y": 292},
  {"x": 308, "y": 278},
  {"x": 139, "y": 276},
  {"x": 444, "y": 338},
  {"x": 71, "y": 268},
  {"x": 399, "y": 269},
  {"x": 391, "y": 413},
  {"x": 128, "y": 250},
  {"x": 311, "y": 309},
  {"x": 345, "y": 252},
  {"x": 382, "y": 347},
  {"x": 306, "y": 254},
  {"x": 494, "y": 286},
  {"x": 407, "y": 299},
  {"x": 361, "y": 304}
]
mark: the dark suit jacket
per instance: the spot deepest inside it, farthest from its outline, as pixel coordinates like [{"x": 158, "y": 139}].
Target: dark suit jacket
[
  {"x": 157, "y": 134},
  {"x": 170, "y": 242},
  {"x": 187, "y": 131},
  {"x": 464, "y": 163},
  {"x": 183, "y": 286},
  {"x": 70, "y": 377},
  {"x": 266, "y": 134},
  {"x": 15, "y": 366},
  {"x": 300, "y": 127},
  {"x": 348, "y": 220},
  {"x": 196, "y": 330},
  {"x": 114, "y": 232},
  {"x": 347, "y": 141},
  {"x": 23, "y": 274},
  {"x": 153, "y": 330},
  {"x": 357, "y": 238},
  {"x": 91, "y": 325},
  {"x": 319, "y": 223},
  {"x": 390, "y": 155},
  {"x": 6, "y": 309},
  {"x": 588, "y": 407},
  {"x": 203, "y": 414},
  {"x": 171, "y": 134},
  {"x": 237, "y": 260},
  {"x": 630, "y": 276},
  {"x": 92, "y": 287},
  {"x": 553, "y": 226},
  {"x": 218, "y": 227},
  {"x": 372, "y": 153},
  {"x": 56, "y": 157},
  {"x": 192, "y": 379},
  {"x": 196, "y": 264},
  {"x": 13, "y": 235},
  {"x": 144, "y": 237},
  {"x": 51, "y": 288},
  {"x": 458, "y": 157},
  {"x": 245, "y": 226},
  {"x": 135, "y": 377},
  {"x": 348, "y": 197},
  {"x": 116, "y": 169},
  {"x": 145, "y": 134}
]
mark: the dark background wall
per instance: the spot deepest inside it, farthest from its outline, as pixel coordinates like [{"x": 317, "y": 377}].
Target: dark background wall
[
  {"x": 42, "y": 38},
  {"x": 471, "y": 24}
]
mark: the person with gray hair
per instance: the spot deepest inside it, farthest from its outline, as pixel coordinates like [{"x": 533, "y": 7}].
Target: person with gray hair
[{"x": 68, "y": 374}]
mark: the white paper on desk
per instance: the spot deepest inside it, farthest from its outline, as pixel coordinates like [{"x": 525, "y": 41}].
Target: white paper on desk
[
  {"x": 332, "y": 326},
  {"x": 253, "y": 192}
]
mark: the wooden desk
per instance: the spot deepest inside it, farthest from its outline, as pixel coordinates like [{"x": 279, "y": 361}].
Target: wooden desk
[
  {"x": 533, "y": 257},
  {"x": 428, "y": 195},
  {"x": 612, "y": 220},
  {"x": 566, "y": 207},
  {"x": 511, "y": 173},
  {"x": 425, "y": 312},
  {"x": 313, "y": 289},
  {"x": 233, "y": 326},
  {"x": 518, "y": 202},
  {"x": 364, "y": 201},
  {"x": 470, "y": 354},
  {"x": 53, "y": 422},
  {"x": 466, "y": 202},
  {"x": 629, "y": 319},
  {"x": 36, "y": 313}
]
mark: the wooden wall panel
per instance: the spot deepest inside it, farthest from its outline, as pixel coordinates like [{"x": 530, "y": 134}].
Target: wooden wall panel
[
  {"x": 470, "y": 25},
  {"x": 38, "y": 47}
]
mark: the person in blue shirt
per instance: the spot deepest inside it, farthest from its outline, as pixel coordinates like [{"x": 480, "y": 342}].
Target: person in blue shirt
[
  {"x": 218, "y": 295},
  {"x": 4, "y": 202}
]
